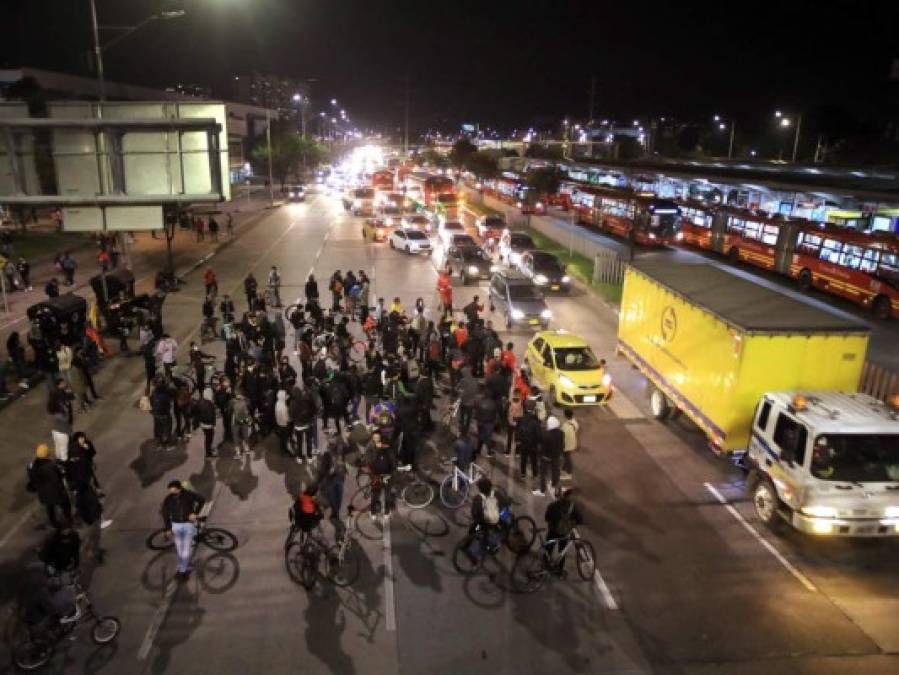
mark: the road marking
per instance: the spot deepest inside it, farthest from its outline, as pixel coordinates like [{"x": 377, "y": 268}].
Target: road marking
[
  {"x": 624, "y": 408},
  {"x": 389, "y": 599},
  {"x": 764, "y": 542},
  {"x": 607, "y": 597},
  {"x": 15, "y": 528}
]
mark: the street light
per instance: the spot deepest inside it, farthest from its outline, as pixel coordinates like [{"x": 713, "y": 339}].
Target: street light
[
  {"x": 786, "y": 122},
  {"x": 722, "y": 125},
  {"x": 334, "y": 101}
]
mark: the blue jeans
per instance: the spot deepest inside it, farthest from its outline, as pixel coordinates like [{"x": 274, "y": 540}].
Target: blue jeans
[{"x": 184, "y": 534}]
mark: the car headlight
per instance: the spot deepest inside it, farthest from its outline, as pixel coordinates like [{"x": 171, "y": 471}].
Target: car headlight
[
  {"x": 538, "y": 205},
  {"x": 652, "y": 235},
  {"x": 820, "y": 511},
  {"x": 566, "y": 279},
  {"x": 565, "y": 381},
  {"x": 679, "y": 236},
  {"x": 472, "y": 269},
  {"x": 546, "y": 314},
  {"x": 540, "y": 279},
  {"x": 293, "y": 194},
  {"x": 891, "y": 512},
  {"x": 356, "y": 203},
  {"x": 517, "y": 314},
  {"x": 494, "y": 268},
  {"x": 514, "y": 257},
  {"x": 606, "y": 380}
]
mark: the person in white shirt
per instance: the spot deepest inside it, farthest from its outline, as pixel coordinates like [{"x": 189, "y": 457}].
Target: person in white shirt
[{"x": 167, "y": 352}]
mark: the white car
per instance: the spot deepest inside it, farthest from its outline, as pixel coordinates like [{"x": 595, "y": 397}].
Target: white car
[
  {"x": 411, "y": 240},
  {"x": 512, "y": 245},
  {"x": 448, "y": 229},
  {"x": 417, "y": 221}
]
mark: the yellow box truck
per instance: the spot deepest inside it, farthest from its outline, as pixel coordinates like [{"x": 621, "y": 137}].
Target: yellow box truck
[{"x": 712, "y": 344}]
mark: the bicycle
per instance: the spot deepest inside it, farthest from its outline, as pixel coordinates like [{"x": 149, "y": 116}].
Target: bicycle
[
  {"x": 303, "y": 557},
  {"x": 37, "y": 649},
  {"x": 214, "y": 537},
  {"x": 454, "y": 489},
  {"x": 517, "y": 533},
  {"x": 450, "y": 418},
  {"x": 531, "y": 570}
]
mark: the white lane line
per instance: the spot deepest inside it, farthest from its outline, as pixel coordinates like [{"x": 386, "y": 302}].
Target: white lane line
[
  {"x": 389, "y": 599},
  {"x": 15, "y": 528},
  {"x": 764, "y": 542},
  {"x": 601, "y": 585}
]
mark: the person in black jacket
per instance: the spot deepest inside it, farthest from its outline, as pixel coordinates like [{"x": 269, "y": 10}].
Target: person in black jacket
[
  {"x": 381, "y": 462},
  {"x": 528, "y": 434},
  {"x": 551, "y": 444},
  {"x": 45, "y": 479},
  {"x": 424, "y": 397},
  {"x": 250, "y": 286},
  {"x": 303, "y": 412},
  {"x": 311, "y": 289},
  {"x": 222, "y": 396},
  {"x": 79, "y": 466},
  {"x": 180, "y": 510},
  {"x": 561, "y": 516},
  {"x": 204, "y": 416},
  {"x": 485, "y": 413},
  {"x": 161, "y": 407},
  {"x": 372, "y": 387}
]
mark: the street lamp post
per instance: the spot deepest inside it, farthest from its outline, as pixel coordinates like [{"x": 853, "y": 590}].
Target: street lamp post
[
  {"x": 722, "y": 126},
  {"x": 785, "y": 122}
]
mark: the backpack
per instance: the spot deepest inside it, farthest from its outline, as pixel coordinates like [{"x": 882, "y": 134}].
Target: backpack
[{"x": 491, "y": 509}]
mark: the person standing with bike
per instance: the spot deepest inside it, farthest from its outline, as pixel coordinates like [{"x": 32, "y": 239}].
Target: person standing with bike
[
  {"x": 250, "y": 286},
  {"x": 198, "y": 360},
  {"x": 180, "y": 510},
  {"x": 562, "y": 516},
  {"x": 380, "y": 460}
]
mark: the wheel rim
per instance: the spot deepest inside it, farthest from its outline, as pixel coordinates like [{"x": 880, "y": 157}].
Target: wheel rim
[
  {"x": 106, "y": 629},
  {"x": 586, "y": 562},
  {"x": 656, "y": 402},
  {"x": 32, "y": 655},
  {"x": 418, "y": 495},
  {"x": 764, "y": 503}
]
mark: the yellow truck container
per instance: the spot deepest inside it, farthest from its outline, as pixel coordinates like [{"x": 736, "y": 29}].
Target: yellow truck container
[{"x": 713, "y": 343}]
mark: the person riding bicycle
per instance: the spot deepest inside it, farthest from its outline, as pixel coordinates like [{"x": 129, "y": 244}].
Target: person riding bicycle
[
  {"x": 561, "y": 516},
  {"x": 383, "y": 418},
  {"x": 45, "y": 601},
  {"x": 305, "y": 514},
  {"x": 381, "y": 462},
  {"x": 274, "y": 283},
  {"x": 180, "y": 510}
]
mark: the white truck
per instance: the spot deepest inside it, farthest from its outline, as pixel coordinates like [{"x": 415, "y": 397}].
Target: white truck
[{"x": 826, "y": 463}]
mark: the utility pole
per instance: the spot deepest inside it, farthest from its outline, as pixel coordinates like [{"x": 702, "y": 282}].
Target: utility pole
[
  {"x": 590, "y": 118},
  {"x": 406, "y": 123},
  {"x": 98, "y": 52},
  {"x": 796, "y": 137},
  {"x": 730, "y": 147},
  {"x": 268, "y": 141}
]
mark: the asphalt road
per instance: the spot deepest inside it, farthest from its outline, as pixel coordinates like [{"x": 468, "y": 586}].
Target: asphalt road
[{"x": 684, "y": 585}]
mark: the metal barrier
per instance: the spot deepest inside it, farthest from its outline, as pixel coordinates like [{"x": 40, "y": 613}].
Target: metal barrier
[
  {"x": 608, "y": 268},
  {"x": 878, "y": 382}
]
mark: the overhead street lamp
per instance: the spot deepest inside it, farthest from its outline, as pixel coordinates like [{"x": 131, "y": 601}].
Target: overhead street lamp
[
  {"x": 722, "y": 125},
  {"x": 125, "y": 32},
  {"x": 787, "y": 122}
]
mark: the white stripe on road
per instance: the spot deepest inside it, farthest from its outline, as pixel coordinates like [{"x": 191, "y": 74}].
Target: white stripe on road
[
  {"x": 607, "y": 597},
  {"x": 15, "y": 528},
  {"x": 389, "y": 599},
  {"x": 764, "y": 542},
  {"x": 158, "y": 617}
]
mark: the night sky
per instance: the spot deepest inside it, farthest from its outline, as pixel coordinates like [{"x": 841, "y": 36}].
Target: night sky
[{"x": 500, "y": 64}]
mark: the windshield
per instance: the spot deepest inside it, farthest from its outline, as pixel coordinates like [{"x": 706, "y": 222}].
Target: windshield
[
  {"x": 856, "y": 457},
  {"x": 521, "y": 241},
  {"x": 524, "y": 292},
  {"x": 415, "y": 234},
  {"x": 494, "y": 221},
  {"x": 546, "y": 263},
  {"x": 575, "y": 358},
  {"x": 453, "y": 226},
  {"x": 472, "y": 254},
  {"x": 463, "y": 241},
  {"x": 446, "y": 198}
]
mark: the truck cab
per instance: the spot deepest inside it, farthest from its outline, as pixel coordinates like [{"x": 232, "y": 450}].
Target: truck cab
[{"x": 827, "y": 463}]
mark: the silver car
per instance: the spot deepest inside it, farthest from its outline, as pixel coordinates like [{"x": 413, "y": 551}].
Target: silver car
[{"x": 519, "y": 299}]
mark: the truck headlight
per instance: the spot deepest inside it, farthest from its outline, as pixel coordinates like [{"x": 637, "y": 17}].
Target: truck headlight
[
  {"x": 820, "y": 511},
  {"x": 472, "y": 269},
  {"x": 494, "y": 268},
  {"x": 606, "y": 380},
  {"x": 517, "y": 314},
  {"x": 514, "y": 257},
  {"x": 566, "y": 279},
  {"x": 565, "y": 381},
  {"x": 540, "y": 279},
  {"x": 546, "y": 314}
]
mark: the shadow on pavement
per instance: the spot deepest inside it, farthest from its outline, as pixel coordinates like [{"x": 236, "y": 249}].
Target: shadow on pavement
[{"x": 152, "y": 464}]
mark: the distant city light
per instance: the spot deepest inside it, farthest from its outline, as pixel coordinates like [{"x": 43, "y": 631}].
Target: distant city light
[
  {"x": 722, "y": 126},
  {"x": 717, "y": 118},
  {"x": 784, "y": 121}
]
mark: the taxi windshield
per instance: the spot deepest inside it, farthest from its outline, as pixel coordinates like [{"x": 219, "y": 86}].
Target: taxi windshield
[
  {"x": 575, "y": 358},
  {"x": 856, "y": 458}
]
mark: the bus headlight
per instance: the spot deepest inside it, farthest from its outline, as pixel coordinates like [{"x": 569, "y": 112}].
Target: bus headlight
[
  {"x": 517, "y": 314},
  {"x": 472, "y": 269},
  {"x": 679, "y": 236},
  {"x": 540, "y": 279}
]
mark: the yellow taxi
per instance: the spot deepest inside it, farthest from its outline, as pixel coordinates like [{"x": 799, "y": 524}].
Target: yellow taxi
[
  {"x": 565, "y": 367},
  {"x": 375, "y": 230}
]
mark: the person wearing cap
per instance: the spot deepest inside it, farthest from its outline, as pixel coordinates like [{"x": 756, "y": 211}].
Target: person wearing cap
[
  {"x": 180, "y": 510},
  {"x": 45, "y": 479},
  {"x": 527, "y": 433},
  {"x": 551, "y": 443}
]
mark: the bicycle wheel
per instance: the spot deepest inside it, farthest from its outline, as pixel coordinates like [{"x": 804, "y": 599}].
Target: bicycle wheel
[
  {"x": 417, "y": 494},
  {"x": 33, "y": 655},
  {"x": 369, "y": 527},
  {"x": 361, "y": 499},
  {"x": 158, "y": 541},
  {"x": 218, "y": 539},
  {"x": 343, "y": 567},
  {"x": 467, "y": 556},
  {"x": 218, "y": 572},
  {"x": 309, "y": 559},
  {"x": 106, "y": 629},
  {"x": 293, "y": 555},
  {"x": 521, "y": 534},
  {"x": 528, "y": 573},
  {"x": 357, "y": 351},
  {"x": 585, "y": 558},
  {"x": 453, "y": 496}
]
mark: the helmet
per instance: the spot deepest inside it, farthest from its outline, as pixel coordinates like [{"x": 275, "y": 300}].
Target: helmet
[{"x": 42, "y": 451}]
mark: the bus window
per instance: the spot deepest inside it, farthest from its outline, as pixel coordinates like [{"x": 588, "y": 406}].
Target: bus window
[
  {"x": 881, "y": 223},
  {"x": 809, "y": 243},
  {"x": 752, "y": 229},
  {"x": 769, "y": 234},
  {"x": 851, "y": 256},
  {"x": 889, "y": 269},
  {"x": 830, "y": 250},
  {"x": 869, "y": 260},
  {"x": 736, "y": 225}
]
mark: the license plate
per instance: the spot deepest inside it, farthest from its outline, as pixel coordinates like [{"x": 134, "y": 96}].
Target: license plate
[
  {"x": 589, "y": 399},
  {"x": 533, "y": 322},
  {"x": 555, "y": 287}
]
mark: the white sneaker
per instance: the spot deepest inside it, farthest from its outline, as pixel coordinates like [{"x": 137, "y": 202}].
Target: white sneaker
[
  {"x": 538, "y": 493},
  {"x": 404, "y": 467},
  {"x": 105, "y": 523},
  {"x": 24, "y": 385}
]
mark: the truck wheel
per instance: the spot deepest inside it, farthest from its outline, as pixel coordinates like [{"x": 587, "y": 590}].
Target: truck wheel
[
  {"x": 881, "y": 307},
  {"x": 659, "y": 404},
  {"x": 765, "y": 501},
  {"x": 805, "y": 280}
]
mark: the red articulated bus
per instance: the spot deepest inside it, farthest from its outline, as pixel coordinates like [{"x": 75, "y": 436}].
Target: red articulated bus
[
  {"x": 382, "y": 180},
  {"x": 640, "y": 218}
]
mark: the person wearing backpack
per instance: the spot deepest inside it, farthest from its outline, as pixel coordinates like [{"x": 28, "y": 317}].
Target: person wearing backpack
[
  {"x": 336, "y": 288},
  {"x": 561, "y": 516},
  {"x": 570, "y": 428},
  {"x": 527, "y": 431},
  {"x": 485, "y": 514}
]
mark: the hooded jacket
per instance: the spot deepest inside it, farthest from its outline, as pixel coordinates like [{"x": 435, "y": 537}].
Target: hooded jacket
[
  {"x": 552, "y": 440},
  {"x": 282, "y": 410},
  {"x": 205, "y": 410}
]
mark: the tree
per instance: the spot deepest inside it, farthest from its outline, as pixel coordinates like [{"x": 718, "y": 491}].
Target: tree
[
  {"x": 289, "y": 152},
  {"x": 461, "y": 151},
  {"x": 545, "y": 180},
  {"x": 482, "y": 164},
  {"x": 540, "y": 151}
]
